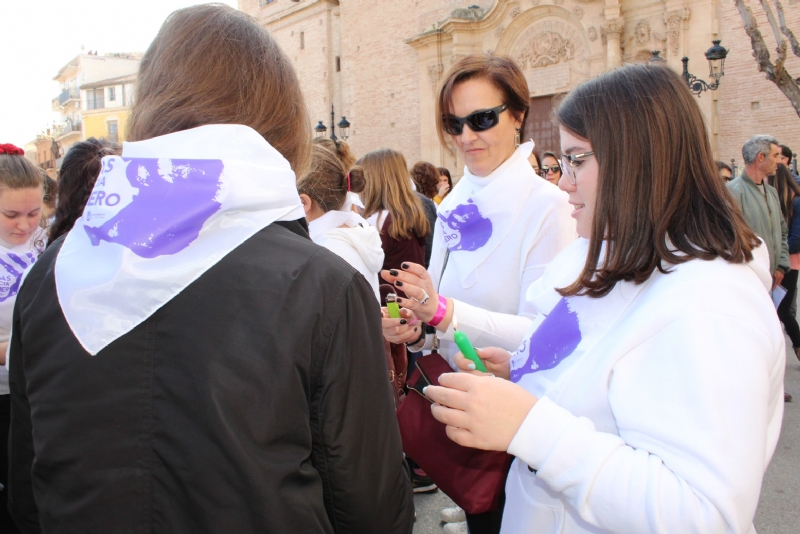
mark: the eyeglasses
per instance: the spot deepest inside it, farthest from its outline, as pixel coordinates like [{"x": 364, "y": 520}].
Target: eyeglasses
[
  {"x": 552, "y": 168},
  {"x": 477, "y": 122},
  {"x": 568, "y": 164}
]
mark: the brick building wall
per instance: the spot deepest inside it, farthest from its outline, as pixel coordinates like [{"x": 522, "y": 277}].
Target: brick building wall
[{"x": 749, "y": 104}]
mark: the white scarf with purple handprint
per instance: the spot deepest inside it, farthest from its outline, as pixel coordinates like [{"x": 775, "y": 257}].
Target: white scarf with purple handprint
[
  {"x": 15, "y": 262},
  {"x": 473, "y": 222},
  {"x": 160, "y": 216}
]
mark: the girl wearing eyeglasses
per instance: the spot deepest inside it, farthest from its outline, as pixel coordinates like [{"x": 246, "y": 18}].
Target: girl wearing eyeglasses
[
  {"x": 551, "y": 168},
  {"x": 646, "y": 397},
  {"x": 496, "y": 231}
]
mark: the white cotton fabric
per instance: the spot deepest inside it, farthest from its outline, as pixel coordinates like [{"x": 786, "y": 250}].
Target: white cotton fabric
[
  {"x": 359, "y": 244},
  {"x": 15, "y": 264},
  {"x": 105, "y": 290},
  {"x": 667, "y": 413},
  {"x": 488, "y": 287}
]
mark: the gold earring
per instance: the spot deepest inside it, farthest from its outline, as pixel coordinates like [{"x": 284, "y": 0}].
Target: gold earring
[{"x": 517, "y": 137}]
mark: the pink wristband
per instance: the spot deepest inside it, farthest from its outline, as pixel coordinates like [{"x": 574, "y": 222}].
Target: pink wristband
[{"x": 440, "y": 312}]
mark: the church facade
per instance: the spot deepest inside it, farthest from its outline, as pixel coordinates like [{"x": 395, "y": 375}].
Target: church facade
[{"x": 380, "y": 62}]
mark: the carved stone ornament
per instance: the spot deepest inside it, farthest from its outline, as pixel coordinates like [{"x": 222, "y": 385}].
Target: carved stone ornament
[
  {"x": 592, "y": 33},
  {"x": 642, "y": 32},
  {"x": 578, "y": 12},
  {"x": 435, "y": 74},
  {"x": 455, "y": 58},
  {"x": 515, "y": 13},
  {"x": 499, "y": 31},
  {"x": 547, "y": 43},
  {"x": 558, "y": 2},
  {"x": 613, "y": 28},
  {"x": 535, "y": 3},
  {"x": 674, "y": 21}
]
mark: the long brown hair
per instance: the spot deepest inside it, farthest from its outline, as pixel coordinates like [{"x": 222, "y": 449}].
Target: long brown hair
[
  {"x": 339, "y": 147},
  {"x": 787, "y": 190},
  {"x": 426, "y": 178},
  {"x": 212, "y": 64},
  {"x": 500, "y": 71},
  {"x": 327, "y": 180},
  {"x": 659, "y": 198},
  {"x": 388, "y": 187}
]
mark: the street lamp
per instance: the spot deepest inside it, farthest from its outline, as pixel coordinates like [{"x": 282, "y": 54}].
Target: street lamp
[
  {"x": 716, "y": 66},
  {"x": 344, "y": 127}
]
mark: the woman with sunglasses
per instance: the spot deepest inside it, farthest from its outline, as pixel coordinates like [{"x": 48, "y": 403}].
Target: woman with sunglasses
[
  {"x": 647, "y": 395},
  {"x": 497, "y": 230},
  {"x": 551, "y": 168}
]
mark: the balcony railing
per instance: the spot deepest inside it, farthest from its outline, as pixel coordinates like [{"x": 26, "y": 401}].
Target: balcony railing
[
  {"x": 66, "y": 128},
  {"x": 68, "y": 94}
]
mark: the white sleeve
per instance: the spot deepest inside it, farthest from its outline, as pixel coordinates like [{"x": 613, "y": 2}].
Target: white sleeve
[{"x": 698, "y": 408}]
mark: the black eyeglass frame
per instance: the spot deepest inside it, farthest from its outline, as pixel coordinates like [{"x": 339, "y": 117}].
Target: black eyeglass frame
[
  {"x": 567, "y": 162},
  {"x": 448, "y": 122}
]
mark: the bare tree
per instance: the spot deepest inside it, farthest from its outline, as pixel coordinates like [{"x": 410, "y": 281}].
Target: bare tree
[{"x": 776, "y": 72}]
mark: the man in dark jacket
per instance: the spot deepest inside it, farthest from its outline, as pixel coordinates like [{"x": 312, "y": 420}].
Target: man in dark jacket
[{"x": 210, "y": 416}]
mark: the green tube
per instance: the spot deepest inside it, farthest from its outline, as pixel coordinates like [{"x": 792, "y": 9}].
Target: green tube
[{"x": 468, "y": 350}]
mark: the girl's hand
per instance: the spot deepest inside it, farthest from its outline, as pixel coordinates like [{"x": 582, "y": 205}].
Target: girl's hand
[
  {"x": 482, "y": 412},
  {"x": 415, "y": 282},
  {"x": 407, "y": 329},
  {"x": 495, "y": 359},
  {"x": 444, "y": 187}
]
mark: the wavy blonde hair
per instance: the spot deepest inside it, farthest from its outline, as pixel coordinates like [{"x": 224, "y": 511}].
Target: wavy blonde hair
[{"x": 388, "y": 187}]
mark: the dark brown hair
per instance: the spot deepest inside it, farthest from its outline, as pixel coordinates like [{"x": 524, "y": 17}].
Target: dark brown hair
[
  {"x": 79, "y": 172},
  {"x": 787, "y": 190},
  {"x": 500, "y": 71},
  {"x": 659, "y": 197},
  {"x": 326, "y": 182},
  {"x": 445, "y": 172},
  {"x": 212, "y": 64},
  {"x": 388, "y": 187},
  {"x": 426, "y": 178}
]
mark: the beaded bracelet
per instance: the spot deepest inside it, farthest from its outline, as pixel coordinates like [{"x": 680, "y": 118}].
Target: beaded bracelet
[{"x": 440, "y": 312}]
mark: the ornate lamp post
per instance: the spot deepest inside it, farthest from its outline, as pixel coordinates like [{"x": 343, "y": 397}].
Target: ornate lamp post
[
  {"x": 344, "y": 127},
  {"x": 716, "y": 66}
]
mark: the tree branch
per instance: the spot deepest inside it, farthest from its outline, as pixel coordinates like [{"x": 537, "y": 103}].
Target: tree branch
[
  {"x": 785, "y": 30},
  {"x": 760, "y": 50},
  {"x": 776, "y": 30}
]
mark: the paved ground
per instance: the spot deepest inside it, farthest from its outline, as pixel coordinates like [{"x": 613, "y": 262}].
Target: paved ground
[{"x": 779, "y": 507}]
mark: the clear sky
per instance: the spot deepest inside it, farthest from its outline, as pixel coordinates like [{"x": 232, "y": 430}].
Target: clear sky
[{"x": 38, "y": 37}]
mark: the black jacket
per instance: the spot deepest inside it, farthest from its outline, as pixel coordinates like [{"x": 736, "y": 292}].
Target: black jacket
[{"x": 257, "y": 400}]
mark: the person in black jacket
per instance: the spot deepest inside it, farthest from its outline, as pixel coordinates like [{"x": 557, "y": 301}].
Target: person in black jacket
[{"x": 253, "y": 395}]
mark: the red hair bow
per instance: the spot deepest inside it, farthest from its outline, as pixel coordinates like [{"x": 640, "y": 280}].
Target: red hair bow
[{"x": 10, "y": 149}]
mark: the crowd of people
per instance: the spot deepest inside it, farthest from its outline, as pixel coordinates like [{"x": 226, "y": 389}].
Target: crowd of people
[{"x": 201, "y": 333}]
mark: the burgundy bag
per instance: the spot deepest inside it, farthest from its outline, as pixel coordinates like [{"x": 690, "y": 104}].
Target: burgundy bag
[{"x": 473, "y": 478}]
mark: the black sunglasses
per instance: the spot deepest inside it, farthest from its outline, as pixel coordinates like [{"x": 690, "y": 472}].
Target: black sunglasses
[
  {"x": 552, "y": 168},
  {"x": 477, "y": 122}
]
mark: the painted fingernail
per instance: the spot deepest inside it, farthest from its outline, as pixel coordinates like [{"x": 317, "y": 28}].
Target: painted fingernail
[
  {"x": 403, "y": 321},
  {"x": 424, "y": 390},
  {"x": 398, "y": 283},
  {"x": 471, "y": 366},
  {"x": 415, "y": 329},
  {"x": 392, "y": 272},
  {"x": 404, "y": 265},
  {"x": 399, "y": 300}
]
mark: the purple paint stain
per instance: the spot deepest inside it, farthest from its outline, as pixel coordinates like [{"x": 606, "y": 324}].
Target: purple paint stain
[
  {"x": 466, "y": 221},
  {"x": 11, "y": 279},
  {"x": 167, "y": 214},
  {"x": 555, "y": 339}
]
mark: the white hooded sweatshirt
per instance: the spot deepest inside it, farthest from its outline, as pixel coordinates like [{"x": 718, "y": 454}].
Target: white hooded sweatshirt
[{"x": 359, "y": 244}]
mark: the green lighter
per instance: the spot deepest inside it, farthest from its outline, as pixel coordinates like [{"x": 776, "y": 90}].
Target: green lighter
[
  {"x": 466, "y": 347},
  {"x": 392, "y": 306}
]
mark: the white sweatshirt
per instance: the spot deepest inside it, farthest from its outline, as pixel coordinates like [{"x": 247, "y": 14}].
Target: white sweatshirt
[
  {"x": 660, "y": 413},
  {"x": 359, "y": 244},
  {"x": 488, "y": 291}
]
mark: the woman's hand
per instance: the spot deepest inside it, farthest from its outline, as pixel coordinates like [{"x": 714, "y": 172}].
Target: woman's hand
[
  {"x": 444, "y": 187},
  {"x": 407, "y": 329},
  {"x": 482, "y": 412},
  {"x": 415, "y": 282},
  {"x": 495, "y": 359}
]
